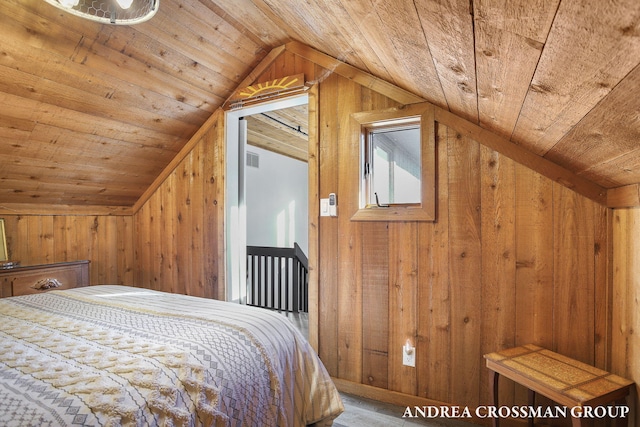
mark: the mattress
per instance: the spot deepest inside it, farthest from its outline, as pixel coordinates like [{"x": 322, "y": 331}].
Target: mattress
[{"x": 116, "y": 355}]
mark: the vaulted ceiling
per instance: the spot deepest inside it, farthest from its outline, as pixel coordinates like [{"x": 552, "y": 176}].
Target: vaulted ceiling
[{"x": 91, "y": 114}]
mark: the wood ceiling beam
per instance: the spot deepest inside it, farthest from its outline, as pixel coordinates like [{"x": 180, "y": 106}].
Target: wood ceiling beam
[
  {"x": 627, "y": 196},
  {"x": 60, "y": 210},
  {"x": 539, "y": 164},
  {"x": 352, "y": 73},
  {"x": 257, "y": 71},
  {"x": 175, "y": 162}
]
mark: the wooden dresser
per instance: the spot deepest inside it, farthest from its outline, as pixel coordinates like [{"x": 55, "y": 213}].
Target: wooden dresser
[{"x": 25, "y": 280}]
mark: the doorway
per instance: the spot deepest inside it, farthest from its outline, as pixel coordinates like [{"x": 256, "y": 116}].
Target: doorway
[
  {"x": 239, "y": 135},
  {"x": 276, "y": 177}
]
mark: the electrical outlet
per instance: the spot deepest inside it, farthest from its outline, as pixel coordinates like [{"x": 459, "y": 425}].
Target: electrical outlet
[{"x": 409, "y": 356}]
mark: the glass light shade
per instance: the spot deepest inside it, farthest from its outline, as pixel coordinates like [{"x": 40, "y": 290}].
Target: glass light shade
[
  {"x": 69, "y": 3},
  {"x": 125, "y": 4},
  {"x": 114, "y": 12}
]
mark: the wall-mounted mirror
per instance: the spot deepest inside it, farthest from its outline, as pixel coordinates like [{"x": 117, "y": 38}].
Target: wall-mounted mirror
[{"x": 396, "y": 164}]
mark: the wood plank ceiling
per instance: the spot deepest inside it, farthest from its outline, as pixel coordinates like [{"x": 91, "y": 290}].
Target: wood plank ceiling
[
  {"x": 283, "y": 131},
  {"x": 91, "y": 114}
]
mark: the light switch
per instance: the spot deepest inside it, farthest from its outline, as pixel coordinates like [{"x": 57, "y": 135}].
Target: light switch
[
  {"x": 329, "y": 207},
  {"x": 324, "y": 207}
]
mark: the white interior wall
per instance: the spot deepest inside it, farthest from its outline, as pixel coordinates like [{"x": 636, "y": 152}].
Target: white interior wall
[{"x": 277, "y": 201}]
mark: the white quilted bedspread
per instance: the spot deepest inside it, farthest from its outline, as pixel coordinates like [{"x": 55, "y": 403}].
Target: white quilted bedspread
[{"x": 120, "y": 356}]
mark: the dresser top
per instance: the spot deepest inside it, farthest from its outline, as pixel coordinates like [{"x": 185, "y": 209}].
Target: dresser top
[{"x": 42, "y": 266}]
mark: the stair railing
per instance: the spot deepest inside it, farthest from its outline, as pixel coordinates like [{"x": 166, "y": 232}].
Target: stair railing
[{"x": 278, "y": 278}]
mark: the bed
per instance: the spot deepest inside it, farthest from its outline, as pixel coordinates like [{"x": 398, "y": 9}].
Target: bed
[{"x": 117, "y": 355}]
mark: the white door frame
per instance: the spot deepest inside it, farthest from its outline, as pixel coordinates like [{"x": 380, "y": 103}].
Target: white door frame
[{"x": 235, "y": 210}]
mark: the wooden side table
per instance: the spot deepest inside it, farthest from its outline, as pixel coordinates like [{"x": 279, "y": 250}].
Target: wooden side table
[{"x": 560, "y": 378}]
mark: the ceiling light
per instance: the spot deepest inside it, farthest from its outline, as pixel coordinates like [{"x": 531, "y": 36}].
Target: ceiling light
[{"x": 118, "y": 12}]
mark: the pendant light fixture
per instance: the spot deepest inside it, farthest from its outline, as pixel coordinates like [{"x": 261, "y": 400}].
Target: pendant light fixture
[{"x": 115, "y": 12}]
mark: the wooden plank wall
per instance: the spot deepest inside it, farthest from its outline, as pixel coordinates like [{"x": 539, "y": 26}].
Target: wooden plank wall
[
  {"x": 107, "y": 241},
  {"x": 513, "y": 258},
  {"x": 178, "y": 231},
  {"x": 626, "y": 301}
]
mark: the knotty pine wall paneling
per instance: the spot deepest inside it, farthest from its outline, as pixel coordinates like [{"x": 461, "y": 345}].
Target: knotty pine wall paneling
[
  {"x": 574, "y": 264},
  {"x": 462, "y": 185},
  {"x": 625, "y": 348},
  {"x": 105, "y": 240},
  {"x": 534, "y": 308},
  {"x": 328, "y": 230},
  {"x": 535, "y": 262},
  {"x": 603, "y": 281},
  {"x": 403, "y": 304},
  {"x": 349, "y": 243},
  {"x": 513, "y": 258},
  {"x": 434, "y": 319},
  {"x": 375, "y": 295},
  {"x": 497, "y": 284},
  {"x": 178, "y": 230},
  {"x": 375, "y": 304}
]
